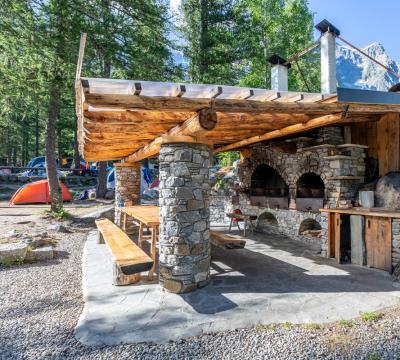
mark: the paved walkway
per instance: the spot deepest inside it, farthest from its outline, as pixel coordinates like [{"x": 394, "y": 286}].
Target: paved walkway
[{"x": 273, "y": 280}]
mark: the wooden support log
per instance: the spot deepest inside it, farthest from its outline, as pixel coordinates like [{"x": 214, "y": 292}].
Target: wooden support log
[
  {"x": 199, "y": 124},
  {"x": 120, "y": 279},
  {"x": 286, "y": 131}
]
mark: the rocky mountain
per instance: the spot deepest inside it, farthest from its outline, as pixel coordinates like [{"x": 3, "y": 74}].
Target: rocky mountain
[{"x": 356, "y": 71}]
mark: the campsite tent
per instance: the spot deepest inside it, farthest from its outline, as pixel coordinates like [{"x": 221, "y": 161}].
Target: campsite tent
[{"x": 37, "y": 192}]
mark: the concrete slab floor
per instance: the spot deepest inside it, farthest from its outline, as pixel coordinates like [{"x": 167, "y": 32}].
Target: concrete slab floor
[{"x": 273, "y": 280}]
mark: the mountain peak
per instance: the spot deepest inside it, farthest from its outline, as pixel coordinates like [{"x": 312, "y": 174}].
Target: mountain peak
[
  {"x": 375, "y": 48},
  {"x": 357, "y": 71}
]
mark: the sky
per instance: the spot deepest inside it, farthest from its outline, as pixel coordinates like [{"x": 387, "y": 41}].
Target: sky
[{"x": 361, "y": 22}]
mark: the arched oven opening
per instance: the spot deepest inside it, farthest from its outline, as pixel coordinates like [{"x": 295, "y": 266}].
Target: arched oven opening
[
  {"x": 310, "y": 192},
  {"x": 268, "y": 189}
]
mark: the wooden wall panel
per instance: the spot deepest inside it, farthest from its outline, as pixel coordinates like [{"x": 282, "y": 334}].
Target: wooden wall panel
[
  {"x": 388, "y": 132},
  {"x": 366, "y": 134},
  {"x": 382, "y": 139},
  {"x": 378, "y": 242}
]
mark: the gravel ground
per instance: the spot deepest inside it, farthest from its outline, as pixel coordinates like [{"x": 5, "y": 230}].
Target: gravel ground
[{"x": 40, "y": 305}]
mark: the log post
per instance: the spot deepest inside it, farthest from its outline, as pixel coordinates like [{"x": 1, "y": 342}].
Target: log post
[{"x": 184, "y": 216}]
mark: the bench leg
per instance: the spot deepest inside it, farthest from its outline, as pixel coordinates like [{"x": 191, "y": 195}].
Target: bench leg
[
  {"x": 100, "y": 238},
  {"x": 124, "y": 221},
  {"x": 230, "y": 225},
  {"x": 237, "y": 224},
  {"x": 153, "y": 252},
  {"x": 244, "y": 228},
  {"x": 120, "y": 279}
]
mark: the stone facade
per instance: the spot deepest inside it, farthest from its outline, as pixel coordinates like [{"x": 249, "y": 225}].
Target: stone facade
[
  {"x": 127, "y": 187},
  {"x": 184, "y": 216},
  {"x": 217, "y": 206},
  {"x": 341, "y": 167},
  {"x": 395, "y": 242}
]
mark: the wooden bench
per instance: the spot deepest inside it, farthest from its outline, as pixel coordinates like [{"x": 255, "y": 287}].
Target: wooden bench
[
  {"x": 128, "y": 258},
  {"x": 226, "y": 241}
]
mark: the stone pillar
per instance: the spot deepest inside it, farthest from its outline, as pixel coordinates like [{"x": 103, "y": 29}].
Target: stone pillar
[
  {"x": 127, "y": 187},
  {"x": 184, "y": 216}
]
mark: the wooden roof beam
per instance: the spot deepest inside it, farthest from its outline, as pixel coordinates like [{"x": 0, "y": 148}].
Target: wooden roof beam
[
  {"x": 204, "y": 121},
  {"x": 286, "y": 131},
  {"x": 167, "y": 103}
]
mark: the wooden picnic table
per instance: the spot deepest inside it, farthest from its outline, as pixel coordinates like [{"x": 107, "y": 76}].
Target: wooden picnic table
[
  {"x": 147, "y": 216},
  {"x": 246, "y": 218}
]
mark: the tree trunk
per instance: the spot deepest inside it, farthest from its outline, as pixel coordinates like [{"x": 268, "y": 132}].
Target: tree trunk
[
  {"x": 203, "y": 39},
  {"x": 101, "y": 180},
  {"x": 50, "y": 139},
  {"x": 37, "y": 134},
  {"x": 101, "y": 189}
]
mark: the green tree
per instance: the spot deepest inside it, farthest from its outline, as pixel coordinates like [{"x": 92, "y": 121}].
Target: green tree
[
  {"x": 209, "y": 32},
  {"x": 269, "y": 27}
]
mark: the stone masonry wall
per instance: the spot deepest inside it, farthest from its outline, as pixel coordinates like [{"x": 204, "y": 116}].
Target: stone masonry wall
[
  {"x": 341, "y": 168},
  {"x": 395, "y": 242},
  {"x": 127, "y": 187},
  {"x": 289, "y": 221},
  {"x": 184, "y": 216},
  {"x": 217, "y": 206}
]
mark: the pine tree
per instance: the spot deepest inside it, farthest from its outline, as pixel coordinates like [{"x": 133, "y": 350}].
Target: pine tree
[{"x": 209, "y": 31}]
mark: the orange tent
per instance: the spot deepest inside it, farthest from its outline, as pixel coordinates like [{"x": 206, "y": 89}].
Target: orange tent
[{"x": 37, "y": 192}]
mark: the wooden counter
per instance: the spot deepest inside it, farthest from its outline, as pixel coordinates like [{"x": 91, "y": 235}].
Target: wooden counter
[
  {"x": 380, "y": 212},
  {"x": 375, "y": 234}
]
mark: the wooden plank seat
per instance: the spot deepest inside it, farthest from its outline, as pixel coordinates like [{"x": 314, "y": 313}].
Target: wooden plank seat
[
  {"x": 128, "y": 258},
  {"x": 226, "y": 241}
]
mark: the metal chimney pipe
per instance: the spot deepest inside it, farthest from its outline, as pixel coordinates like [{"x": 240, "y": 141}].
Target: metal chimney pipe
[
  {"x": 328, "y": 56},
  {"x": 279, "y": 73}
]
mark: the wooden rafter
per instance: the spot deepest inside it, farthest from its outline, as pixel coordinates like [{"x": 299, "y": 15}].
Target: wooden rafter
[{"x": 289, "y": 130}]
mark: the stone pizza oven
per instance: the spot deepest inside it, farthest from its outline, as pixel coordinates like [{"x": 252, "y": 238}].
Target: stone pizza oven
[{"x": 286, "y": 189}]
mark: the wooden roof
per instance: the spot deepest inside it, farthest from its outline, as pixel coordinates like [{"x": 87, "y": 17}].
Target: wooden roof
[{"x": 128, "y": 119}]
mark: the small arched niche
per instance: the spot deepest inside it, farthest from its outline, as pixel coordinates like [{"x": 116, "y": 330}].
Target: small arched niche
[
  {"x": 267, "y": 222},
  {"x": 310, "y": 228}
]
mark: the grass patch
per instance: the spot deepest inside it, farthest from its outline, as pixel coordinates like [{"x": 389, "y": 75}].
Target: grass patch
[
  {"x": 373, "y": 356},
  {"x": 286, "y": 325},
  {"x": 346, "y": 323},
  {"x": 340, "y": 342},
  {"x": 9, "y": 263},
  {"x": 61, "y": 214},
  {"x": 312, "y": 326},
  {"x": 371, "y": 316},
  {"x": 268, "y": 327}
]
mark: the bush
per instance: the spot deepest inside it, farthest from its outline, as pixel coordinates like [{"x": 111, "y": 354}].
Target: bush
[{"x": 227, "y": 158}]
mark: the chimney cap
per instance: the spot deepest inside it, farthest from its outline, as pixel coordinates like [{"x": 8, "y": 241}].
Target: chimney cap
[
  {"x": 325, "y": 26},
  {"x": 277, "y": 60}
]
